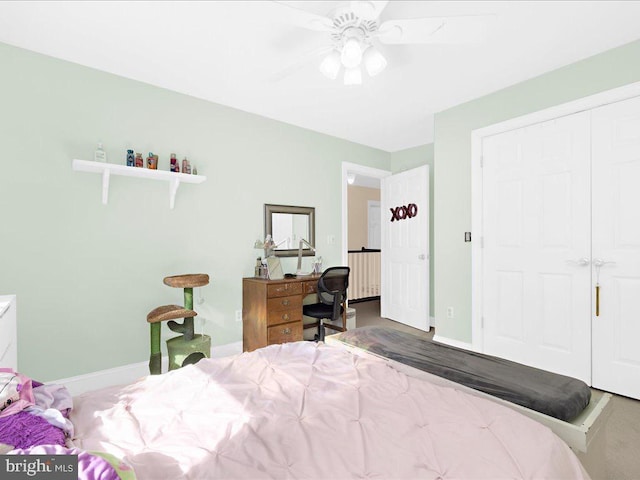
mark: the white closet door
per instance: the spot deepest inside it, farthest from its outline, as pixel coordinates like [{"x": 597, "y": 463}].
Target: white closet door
[
  {"x": 536, "y": 276},
  {"x": 616, "y": 238}
]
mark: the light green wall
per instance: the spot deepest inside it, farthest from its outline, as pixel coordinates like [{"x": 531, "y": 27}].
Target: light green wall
[
  {"x": 452, "y": 152},
  {"x": 406, "y": 160},
  {"x": 85, "y": 274}
]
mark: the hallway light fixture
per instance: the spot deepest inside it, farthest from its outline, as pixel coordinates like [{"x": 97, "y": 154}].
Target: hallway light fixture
[{"x": 351, "y": 177}]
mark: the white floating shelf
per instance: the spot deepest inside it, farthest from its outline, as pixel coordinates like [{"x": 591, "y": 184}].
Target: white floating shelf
[{"x": 108, "y": 169}]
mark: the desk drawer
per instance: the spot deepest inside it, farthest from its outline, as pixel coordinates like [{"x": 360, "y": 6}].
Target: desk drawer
[
  {"x": 288, "y": 332},
  {"x": 310, "y": 287},
  {"x": 284, "y": 316},
  {"x": 284, "y": 303},
  {"x": 284, "y": 289}
]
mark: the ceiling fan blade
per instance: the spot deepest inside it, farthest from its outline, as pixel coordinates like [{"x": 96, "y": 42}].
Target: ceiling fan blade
[
  {"x": 368, "y": 10},
  {"x": 300, "y": 63},
  {"x": 434, "y": 30},
  {"x": 301, "y": 18}
]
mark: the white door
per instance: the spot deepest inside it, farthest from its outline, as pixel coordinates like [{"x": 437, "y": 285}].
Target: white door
[
  {"x": 404, "y": 200},
  {"x": 536, "y": 254},
  {"x": 373, "y": 224},
  {"x": 616, "y": 241}
]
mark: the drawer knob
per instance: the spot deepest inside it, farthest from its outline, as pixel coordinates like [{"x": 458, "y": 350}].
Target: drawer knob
[
  {"x": 286, "y": 331},
  {"x": 285, "y": 302},
  {"x": 285, "y": 316}
]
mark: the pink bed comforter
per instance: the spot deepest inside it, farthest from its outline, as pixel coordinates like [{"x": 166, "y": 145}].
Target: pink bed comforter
[{"x": 305, "y": 410}]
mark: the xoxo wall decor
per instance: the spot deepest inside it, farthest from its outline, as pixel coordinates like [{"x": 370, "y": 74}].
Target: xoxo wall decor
[{"x": 400, "y": 213}]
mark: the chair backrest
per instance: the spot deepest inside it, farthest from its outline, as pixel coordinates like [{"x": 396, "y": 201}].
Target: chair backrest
[{"x": 333, "y": 284}]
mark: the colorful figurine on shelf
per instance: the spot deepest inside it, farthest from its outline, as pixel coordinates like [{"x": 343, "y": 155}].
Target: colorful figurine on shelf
[
  {"x": 131, "y": 159},
  {"x": 173, "y": 166},
  {"x": 139, "y": 161},
  {"x": 152, "y": 161},
  {"x": 186, "y": 166}
]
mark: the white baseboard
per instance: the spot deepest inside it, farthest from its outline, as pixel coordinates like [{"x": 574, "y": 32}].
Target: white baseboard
[
  {"x": 453, "y": 342},
  {"x": 130, "y": 373}
]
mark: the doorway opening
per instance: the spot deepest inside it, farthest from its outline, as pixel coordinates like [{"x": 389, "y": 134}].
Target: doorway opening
[{"x": 361, "y": 236}]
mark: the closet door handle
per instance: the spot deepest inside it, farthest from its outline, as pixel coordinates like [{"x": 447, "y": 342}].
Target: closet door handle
[
  {"x": 598, "y": 262},
  {"x": 582, "y": 262}
]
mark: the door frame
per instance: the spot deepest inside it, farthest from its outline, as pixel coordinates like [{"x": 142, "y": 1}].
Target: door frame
[
  {"x": 587, "y": 103},
  {"x": 365, "y": 171}
]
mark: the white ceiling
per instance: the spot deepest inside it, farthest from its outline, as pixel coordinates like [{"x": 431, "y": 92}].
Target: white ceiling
[{"x": 245, "y": 54}]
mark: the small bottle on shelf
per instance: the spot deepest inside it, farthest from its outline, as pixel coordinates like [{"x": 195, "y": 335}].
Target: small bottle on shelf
[
  {"x": 173, "y": 166},
  {"x": 139, "y": 160},
  {"x": 131, "y": 160},
  {"x": 152, "y": 161},
  {"x": 100, "y": 155}
]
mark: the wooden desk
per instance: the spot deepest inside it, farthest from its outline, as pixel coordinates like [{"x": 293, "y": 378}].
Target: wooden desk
[{"x": 272, "y": 310}]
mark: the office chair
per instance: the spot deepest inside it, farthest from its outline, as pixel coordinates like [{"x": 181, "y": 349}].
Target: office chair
[{"x": 332, "y": 293}]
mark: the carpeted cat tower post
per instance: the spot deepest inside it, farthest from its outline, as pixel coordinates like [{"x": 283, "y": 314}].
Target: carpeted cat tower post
[{"x": 189, "y": 347}]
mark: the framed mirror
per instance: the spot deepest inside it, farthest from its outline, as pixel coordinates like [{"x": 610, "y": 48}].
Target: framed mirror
[{"x": 287, "y": 225}]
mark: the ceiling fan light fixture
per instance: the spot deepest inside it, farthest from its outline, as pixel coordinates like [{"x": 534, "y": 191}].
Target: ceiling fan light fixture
[
  {"x": 330, "y": 66},
  {"x": 353, "y": 76},
  {"x": 351, "y": 55},
  {"x": 374, "y": 61}
]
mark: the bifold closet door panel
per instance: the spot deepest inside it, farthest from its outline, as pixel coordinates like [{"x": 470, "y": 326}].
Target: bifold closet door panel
[
  {"x": 537, "y": 234},
  {"x": 616, "y": 246}
]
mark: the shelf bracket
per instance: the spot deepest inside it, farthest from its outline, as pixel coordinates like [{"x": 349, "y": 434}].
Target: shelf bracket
[
  {"x": 174, "y": 183},
  {"x": 105, "y": 185}
]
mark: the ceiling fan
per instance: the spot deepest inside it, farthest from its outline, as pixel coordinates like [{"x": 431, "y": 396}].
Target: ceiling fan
[{"x": 355, "y": 27}]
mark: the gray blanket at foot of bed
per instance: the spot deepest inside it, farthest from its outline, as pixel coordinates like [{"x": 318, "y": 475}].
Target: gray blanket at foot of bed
[{"x": 549, "y": 393}]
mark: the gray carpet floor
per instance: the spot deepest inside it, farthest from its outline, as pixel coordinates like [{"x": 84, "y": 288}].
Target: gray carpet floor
[{"x": 622, "y": 450}]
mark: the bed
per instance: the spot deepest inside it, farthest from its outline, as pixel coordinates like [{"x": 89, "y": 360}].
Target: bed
[
  {"x": 307, "y": 410},
  {"x": 572, "y": 410}
]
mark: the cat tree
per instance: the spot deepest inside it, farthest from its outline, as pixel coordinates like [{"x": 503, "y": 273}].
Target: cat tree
[{"x": 189, "y": 347}]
